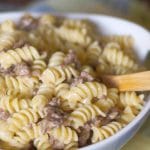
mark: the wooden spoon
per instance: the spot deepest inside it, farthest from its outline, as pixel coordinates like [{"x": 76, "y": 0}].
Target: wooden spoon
[{"x": 129, "y": 82}]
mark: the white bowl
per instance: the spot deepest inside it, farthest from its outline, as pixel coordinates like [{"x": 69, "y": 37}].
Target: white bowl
[{"x": 110, "y": 25}]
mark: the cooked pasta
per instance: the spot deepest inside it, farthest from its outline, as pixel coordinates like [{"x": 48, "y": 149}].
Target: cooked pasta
[
  {"x": 71, "y": 146},
  {"x": 13, "y": 104},
  {"x": 74, "y": 35},
  {"x": 83, "y": 114},
  {"x": 22, "y": 118},
  {"x": 129, "y": 113},
  {"x": 131, "y": 99},
  {"x": 115, "y": 56},
  {"x": 85, "y": 92},
  {"x": 61, "y": 89},
  {"x": 42, "y": 143},
  {"x": 101, "y": 133},
  {"x": 20, "y": 85},
  {"x": 64, "y": 134},
  {"x": 10, "y": 40},
  {"x": 13, "y": 57},
  {"x": 58, "y": 74},
  {"x": 56, "y": 59},
  {"x": 93, "y": 52},
  {"x": 38, "y": 67},
  {"x": 51, "y": 92},
  {"x": 25, "y": 135}
]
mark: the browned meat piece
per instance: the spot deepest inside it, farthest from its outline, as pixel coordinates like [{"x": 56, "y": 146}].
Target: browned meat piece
[
  {"x": 19, "y": 43},
  {"x": 55, "y": 102},
  {"x": 84, "y": 77},
  {"x": 21, "y": 70},
  {"x": 28, "y": 22},
  {"x": 46, "y": 125},
  {"x": 57, "y": 145},
  {"x": 95, "y": 99},
  {"x": 8, "y": 71},
  {"x": 84, "y": 135},
  {"x": 54, "y": 116},
  {"x": 114, "y": 113},
  {"x": 96, "y": 121},
  {"x": 4, "y": 115},
  {"x": 71, "y": 58}
]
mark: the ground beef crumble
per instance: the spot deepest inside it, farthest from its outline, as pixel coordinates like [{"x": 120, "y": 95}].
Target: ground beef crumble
[
  {"x": 84, "y": 77},
  {"x": 4, "y": 115},
  {"x": 22, "y": 70},
  {"x": 16, "y": 70},
  {"x": 56, "y": 144},
  {"x": 84, "y": 134},
  {"x": 28, "y": 22},
  {"x": 71, "y": 58},
  {"x": 54, "y": 116}
]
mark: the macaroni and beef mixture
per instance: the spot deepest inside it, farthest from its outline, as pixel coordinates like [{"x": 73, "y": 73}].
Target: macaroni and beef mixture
[{"x": 51, "y": 94}]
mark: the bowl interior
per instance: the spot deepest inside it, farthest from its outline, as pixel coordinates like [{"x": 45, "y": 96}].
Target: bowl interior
[{"x": 109, "y": 26}]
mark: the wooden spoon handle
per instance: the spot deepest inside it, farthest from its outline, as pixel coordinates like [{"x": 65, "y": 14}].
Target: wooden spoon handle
[{"x": 130, "y": 82}]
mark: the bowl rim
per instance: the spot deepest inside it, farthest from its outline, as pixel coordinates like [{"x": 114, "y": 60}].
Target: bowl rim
[{"x": 146, "y": 109}]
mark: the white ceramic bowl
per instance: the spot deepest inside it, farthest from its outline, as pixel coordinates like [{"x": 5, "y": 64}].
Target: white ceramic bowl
[{"x": 110, "y": 25}]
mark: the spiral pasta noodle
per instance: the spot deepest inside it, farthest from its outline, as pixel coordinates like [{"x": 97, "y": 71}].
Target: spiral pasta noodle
[
  {"x": 73, "y": 35},
  {"x": 131, "y": 99},
  {"x": 93, "y": 52},
  {"x": 71, "y": 146},
  {"x": 101, "y": 133},
  {"x": 14, "y": 104},
  {"x": 13, "y": 57},
  {"x": 25, "y": 135},
  {"x": 61, "y": 89},
  {"x": 42, "y": 143},
  {"x": 19, "y": 85},
  {"x": 115, "y": 56},
  {"x": 64, "y": 134},
  {"x": 85, "y": 92},
  {"x": 10, "y": 40},
  {"x": 58, "y": 74},
  {"x": 83, "y": 114},
  {"x": 38, "y": 67},
  {"x": 56, "y": 59},
  {"x": 22, "y": 118},
  {"x": 128, "y": 114}
]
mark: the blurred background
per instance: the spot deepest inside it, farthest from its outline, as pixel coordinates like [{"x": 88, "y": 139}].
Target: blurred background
[{"x": 134, "y": 10}]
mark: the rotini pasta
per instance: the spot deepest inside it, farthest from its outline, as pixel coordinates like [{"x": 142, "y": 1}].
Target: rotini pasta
[
  {"x": 85, "y": 92},
  {"x": 25, "y": 135},
  {"x": 64, "y": 134},
  {"x": 38, "y": 67},
  {"x": 74, "y": 36},
  {"x": 13, "y": 57},
  {"x": 56, "y": 59},
  {"x": 58, "y": 74},
  {"x": 13, "y": 104},
  {"x": 128, "y": 114},
  {"x": 83, "y": 114},
  {"x": 22, "y": 118},
  {"x": 101, "y": 133},
  {"x": 93, "y": 52},
  {"x": 20, "y": 85},
  {"x": 131, "y": 99},
  {"x": 115, "y": 56},
  {"x": 42, "y": 143}
]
